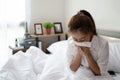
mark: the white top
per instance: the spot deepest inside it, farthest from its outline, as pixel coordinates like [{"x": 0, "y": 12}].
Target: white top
[{"x": 99, "y": 50}]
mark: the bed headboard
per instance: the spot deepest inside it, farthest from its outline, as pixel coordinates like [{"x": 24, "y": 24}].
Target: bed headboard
[{"x": 110, "y": 33}]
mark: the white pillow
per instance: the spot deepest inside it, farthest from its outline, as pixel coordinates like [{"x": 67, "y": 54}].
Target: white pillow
[
  {"x": 114, "y": 53},
  {"x": 114, "y": 58},
  {"x": 58, "y": 47}
]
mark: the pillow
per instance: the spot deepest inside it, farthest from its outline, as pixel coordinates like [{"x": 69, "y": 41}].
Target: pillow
[
  {"x": 114, "y": 53},
  {"x": 58, "y": 47},
  {"x": 114, "y": 58}
]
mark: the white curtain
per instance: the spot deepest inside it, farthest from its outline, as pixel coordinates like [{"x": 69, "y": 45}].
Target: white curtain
[{"x": 12, "y": 12}]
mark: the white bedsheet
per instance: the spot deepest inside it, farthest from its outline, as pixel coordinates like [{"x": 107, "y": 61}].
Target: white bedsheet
[
  {"x": 116, "y": 76},
  {"x": 23, "y": 67}
]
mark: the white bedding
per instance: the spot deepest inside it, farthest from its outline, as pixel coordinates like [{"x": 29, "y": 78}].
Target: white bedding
[
  {"x": 116, "y": 76},
  {"x": 36, "y": 65},
  {"x": 23, "y": 67}
]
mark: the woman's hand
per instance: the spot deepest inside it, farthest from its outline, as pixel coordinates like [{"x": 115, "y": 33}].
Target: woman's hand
[
  {"x": 79, "y": 50},
  {"x": 92, "y": 63},
  {"x": 85, "y": 50},
  {"x": 76, "y": 62}
]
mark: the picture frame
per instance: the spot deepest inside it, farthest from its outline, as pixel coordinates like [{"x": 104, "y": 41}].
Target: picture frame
[
  {"x": 58, "y": 27},
  {"x": 38, "y": 29}
]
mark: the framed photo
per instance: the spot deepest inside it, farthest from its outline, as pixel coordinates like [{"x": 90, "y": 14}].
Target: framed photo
[
  {"x": 58, "y": 27},
  {"x": 38, "y": 28}
]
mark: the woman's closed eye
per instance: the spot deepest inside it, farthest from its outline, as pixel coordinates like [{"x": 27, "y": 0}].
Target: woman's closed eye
[
  {"x": 82, "y": 39},
  {"x": 79, "y": 40}
]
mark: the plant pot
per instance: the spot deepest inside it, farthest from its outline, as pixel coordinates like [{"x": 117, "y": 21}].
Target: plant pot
[{"x": 48, "y": 30}]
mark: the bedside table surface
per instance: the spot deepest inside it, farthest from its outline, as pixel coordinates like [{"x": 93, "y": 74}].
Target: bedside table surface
[{"x": 48, "y": 35}]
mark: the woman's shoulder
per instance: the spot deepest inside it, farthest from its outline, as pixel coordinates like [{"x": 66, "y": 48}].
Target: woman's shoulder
[{"x": 99, "y": 40}]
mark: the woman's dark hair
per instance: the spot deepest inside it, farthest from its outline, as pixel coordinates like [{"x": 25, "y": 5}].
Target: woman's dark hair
[{"x": 83, "y": 22}]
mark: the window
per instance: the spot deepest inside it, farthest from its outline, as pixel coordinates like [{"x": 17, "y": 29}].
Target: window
[
  {"x": 15, "y": 15},
  {"x": 12, "y": 13}
]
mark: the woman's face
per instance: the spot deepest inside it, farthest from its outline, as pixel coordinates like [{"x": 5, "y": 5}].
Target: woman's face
[{"x": 81, "y": 37}]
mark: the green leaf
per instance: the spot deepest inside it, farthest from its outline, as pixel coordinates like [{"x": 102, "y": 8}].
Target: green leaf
[{"x": 48, "y": 25}]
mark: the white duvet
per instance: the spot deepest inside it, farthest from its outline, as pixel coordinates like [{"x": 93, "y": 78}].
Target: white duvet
[{"x": 35, "y": 65}]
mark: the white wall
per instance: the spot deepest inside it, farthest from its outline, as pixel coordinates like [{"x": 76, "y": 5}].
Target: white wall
[
  {"x": 105, "y": 12},
  {"x": 45, "y": 10}
]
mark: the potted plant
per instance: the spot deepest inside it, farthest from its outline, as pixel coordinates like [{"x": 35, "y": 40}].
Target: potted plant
[{"x": 48, "y": 26}]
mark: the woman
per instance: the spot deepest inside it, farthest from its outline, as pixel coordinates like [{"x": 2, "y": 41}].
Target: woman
[
  {"x": 91, "y": 59},
  {"x": 86, "y": 57}
]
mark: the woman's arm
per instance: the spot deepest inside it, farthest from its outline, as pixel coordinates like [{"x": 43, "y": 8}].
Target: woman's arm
[
  {"x": 76, "y": 62},
  {"x": 92, "y": 63}
]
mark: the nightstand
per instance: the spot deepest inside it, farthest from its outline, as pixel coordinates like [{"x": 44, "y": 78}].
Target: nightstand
[{"x": 47, "y": 35}]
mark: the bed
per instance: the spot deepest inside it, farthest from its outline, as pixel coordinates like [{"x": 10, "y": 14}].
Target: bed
[
  {"x": 114, "y": 59},
  {"x": 25, "y": 66}
]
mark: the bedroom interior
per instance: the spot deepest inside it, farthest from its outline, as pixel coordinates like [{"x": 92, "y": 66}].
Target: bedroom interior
[{"x": 105, "y": 14}]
